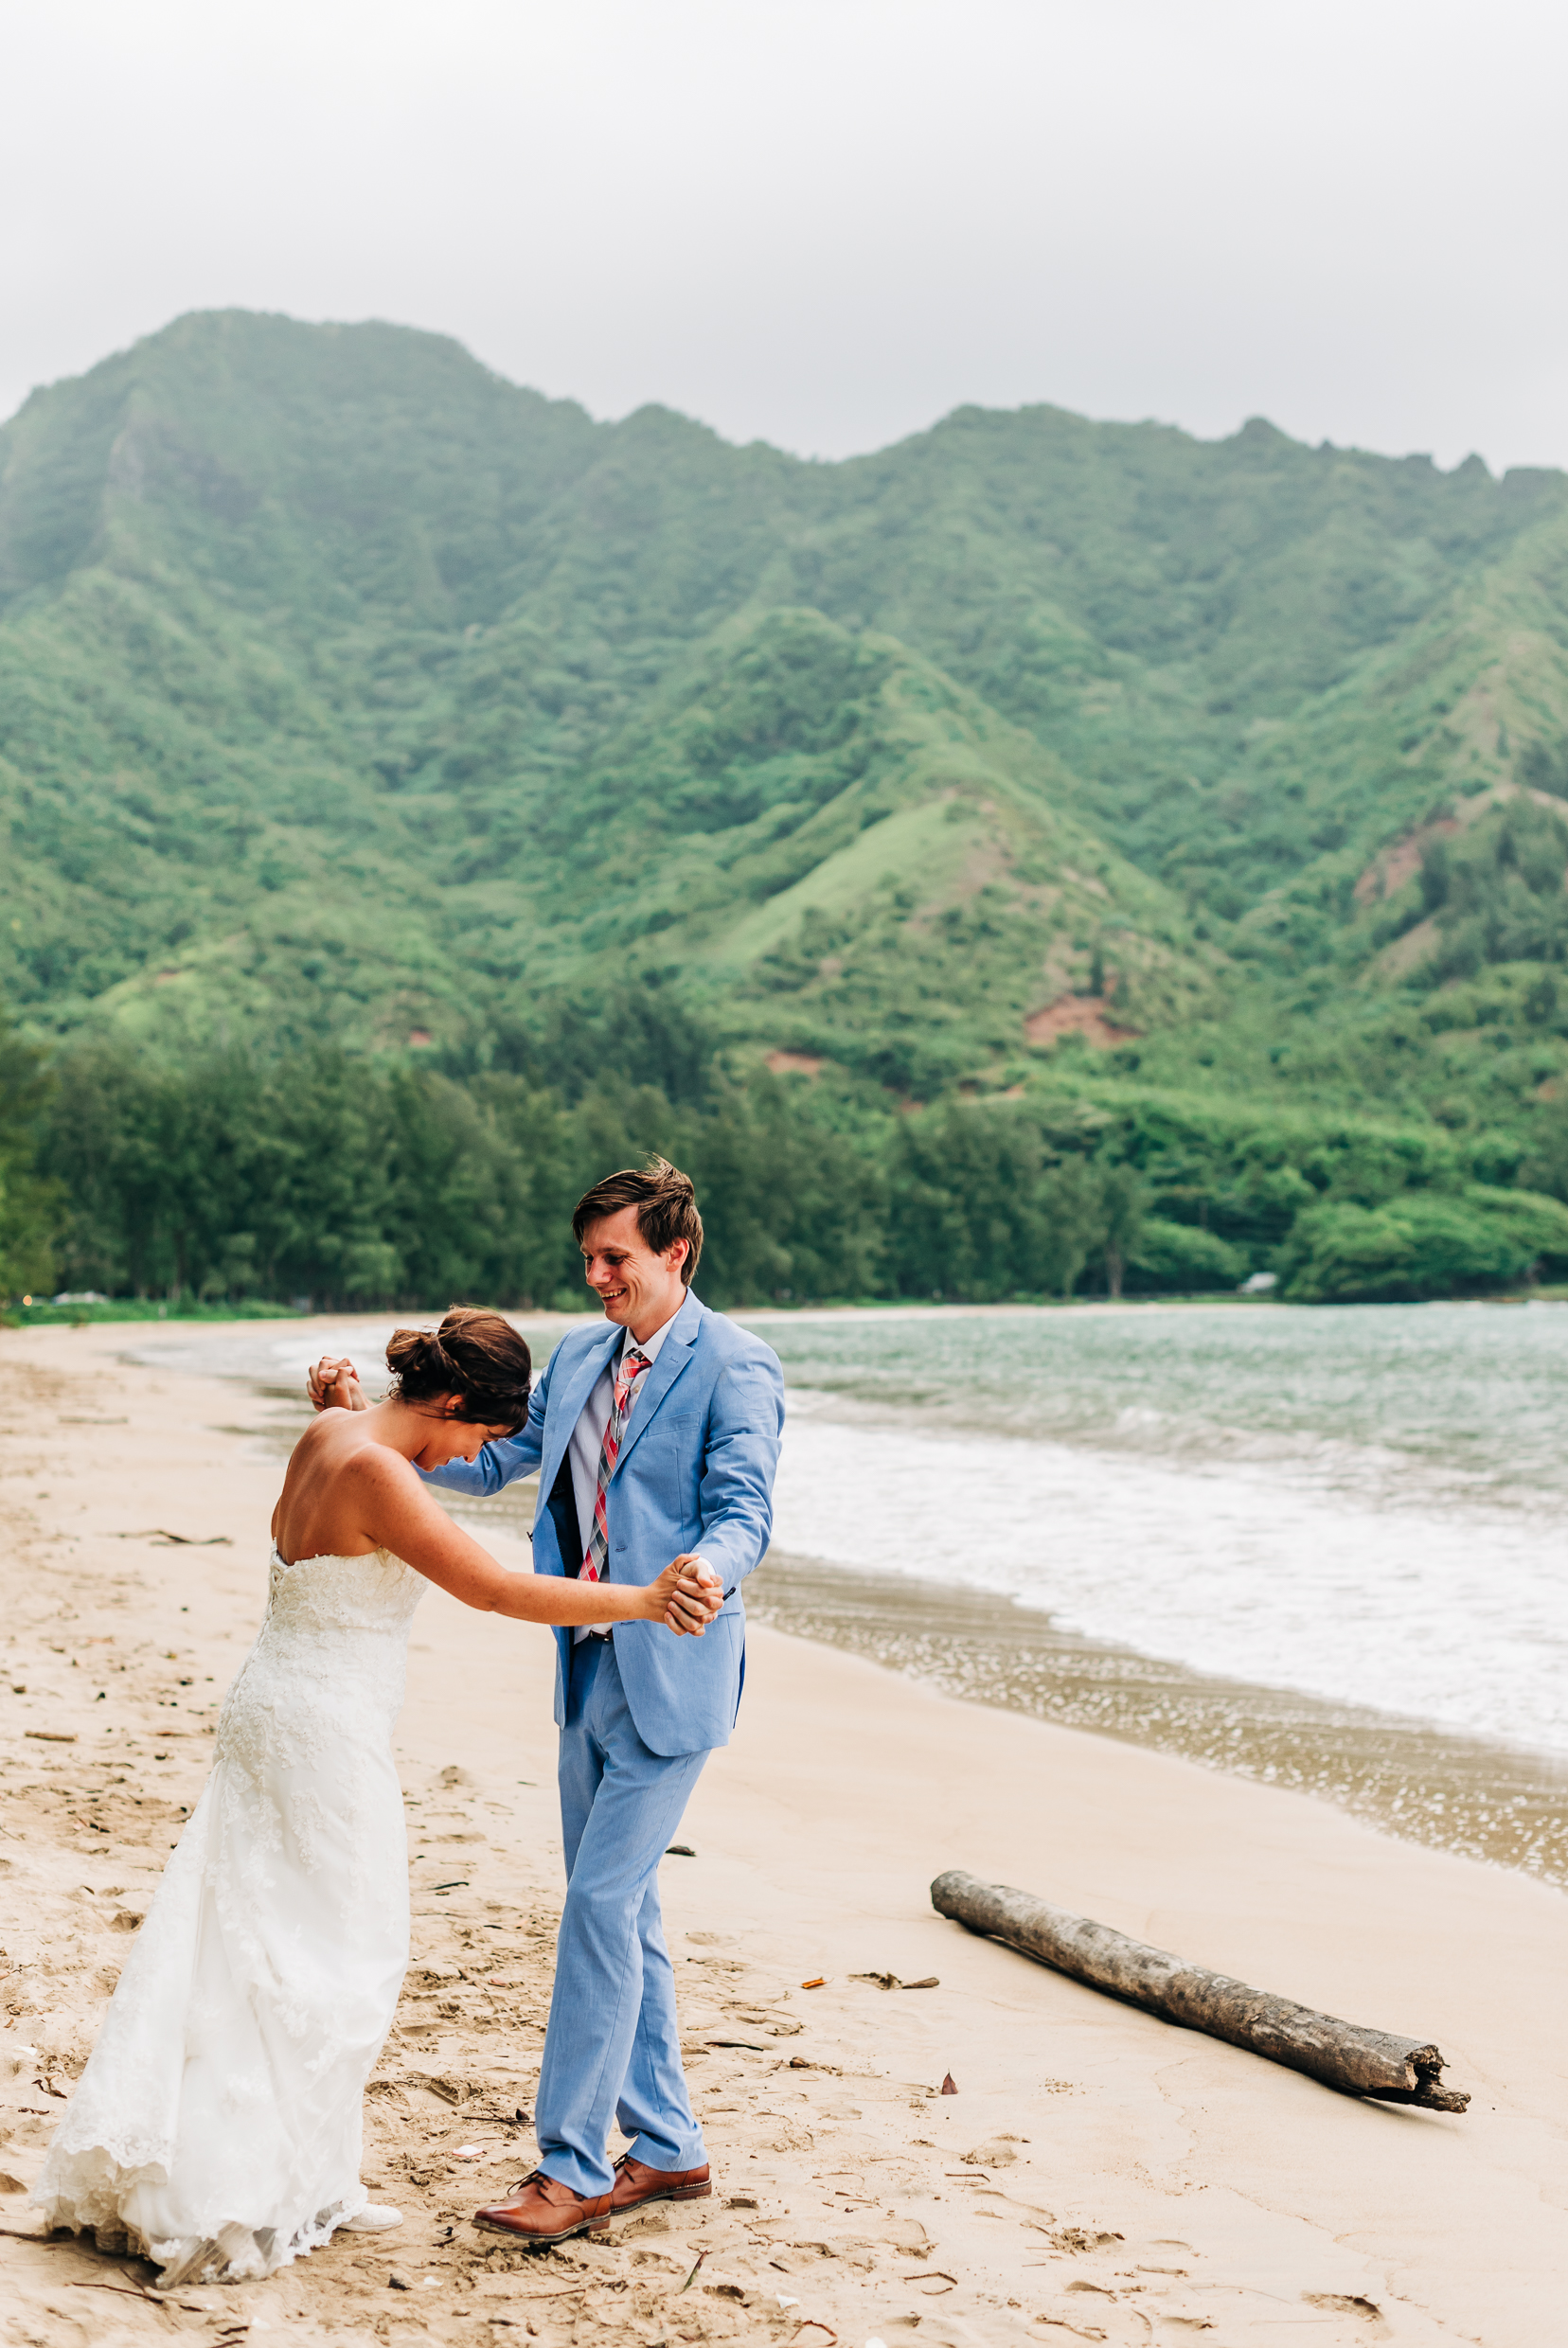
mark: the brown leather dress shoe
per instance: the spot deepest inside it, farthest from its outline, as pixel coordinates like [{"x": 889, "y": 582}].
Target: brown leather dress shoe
[
  {"x": 635, "y": 2183},
  {"x": 545, "y": 2210}
]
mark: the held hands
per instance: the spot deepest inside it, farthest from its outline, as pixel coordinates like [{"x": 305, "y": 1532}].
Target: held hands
[
  {"x": 334, "y": 1385},
  {"x": 685, "y": 1597}
]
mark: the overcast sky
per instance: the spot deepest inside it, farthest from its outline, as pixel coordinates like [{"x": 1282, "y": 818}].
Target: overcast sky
[{"x": 826, "y": 223}]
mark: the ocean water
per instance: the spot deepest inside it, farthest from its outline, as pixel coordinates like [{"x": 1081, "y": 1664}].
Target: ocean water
[{"x": 1365, "y": 1507}]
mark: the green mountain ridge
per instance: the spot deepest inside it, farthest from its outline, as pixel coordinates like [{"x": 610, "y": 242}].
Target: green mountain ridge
[{"x": 369, "y": 695}]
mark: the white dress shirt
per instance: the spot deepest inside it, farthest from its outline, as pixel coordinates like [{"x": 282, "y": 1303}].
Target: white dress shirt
[{"x": 588, "y": 1440}]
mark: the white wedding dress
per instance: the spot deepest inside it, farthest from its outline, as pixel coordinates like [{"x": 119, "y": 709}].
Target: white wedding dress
[{"x": 216, "y": 2126}]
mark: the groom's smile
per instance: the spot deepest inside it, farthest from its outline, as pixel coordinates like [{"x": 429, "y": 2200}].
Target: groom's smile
[{"x": 638, "y": 1288}]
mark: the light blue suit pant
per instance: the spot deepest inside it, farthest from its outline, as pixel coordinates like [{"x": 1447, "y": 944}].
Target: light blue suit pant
[{"x": 614, "y": 2044}]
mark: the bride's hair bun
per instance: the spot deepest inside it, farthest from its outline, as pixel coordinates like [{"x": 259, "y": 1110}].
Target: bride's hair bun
[
  {"x": 476, "y": 1355},
  {"x": 414, "y": 1355}
]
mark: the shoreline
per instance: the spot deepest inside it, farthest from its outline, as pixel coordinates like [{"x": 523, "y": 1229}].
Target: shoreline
[
  {"x": 1482, "y": 1800},
  {"x": 147, "y": 1313},
  {"x": 1099, "y": 2175}
]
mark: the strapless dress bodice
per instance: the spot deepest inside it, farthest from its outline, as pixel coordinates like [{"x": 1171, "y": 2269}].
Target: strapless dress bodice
[{"x": 374, "y": 1591}]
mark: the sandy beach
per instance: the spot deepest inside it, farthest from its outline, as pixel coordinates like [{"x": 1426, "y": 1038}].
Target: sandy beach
[{"x": 1150, "y": 2185}]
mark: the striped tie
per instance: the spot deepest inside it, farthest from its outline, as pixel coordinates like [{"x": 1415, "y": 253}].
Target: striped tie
[{"x": 627, "y": 1379}]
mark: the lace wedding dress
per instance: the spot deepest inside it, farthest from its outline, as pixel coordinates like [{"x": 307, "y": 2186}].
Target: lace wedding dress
[{"x": 216, "y": 2126}]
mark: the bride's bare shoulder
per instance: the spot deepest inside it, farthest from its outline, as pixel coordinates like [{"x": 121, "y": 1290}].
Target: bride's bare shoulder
[
  {"x": 332, "y": 1445},
  {"x": 352, "y": 1450},
  {"x": 326, "y": 1432}
]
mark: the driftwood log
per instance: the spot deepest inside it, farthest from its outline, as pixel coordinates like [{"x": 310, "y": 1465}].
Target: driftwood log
[{"x": 1341, "y": 2055}]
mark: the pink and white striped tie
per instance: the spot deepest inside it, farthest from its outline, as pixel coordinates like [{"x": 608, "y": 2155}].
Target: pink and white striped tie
[{"x": 627, "y": 1379}]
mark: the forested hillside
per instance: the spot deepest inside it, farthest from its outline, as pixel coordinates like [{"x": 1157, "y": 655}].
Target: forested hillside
[{"x": 1045, "y": 801}]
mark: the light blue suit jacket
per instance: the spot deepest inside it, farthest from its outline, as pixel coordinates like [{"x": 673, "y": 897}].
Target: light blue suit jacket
[{"x": 695, "y": 1472}]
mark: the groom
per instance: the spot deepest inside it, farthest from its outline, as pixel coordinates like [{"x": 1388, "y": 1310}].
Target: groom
[{"x": 655, "y": 1436}]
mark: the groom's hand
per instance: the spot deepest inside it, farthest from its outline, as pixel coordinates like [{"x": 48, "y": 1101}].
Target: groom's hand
[
  {"x": 334, "y": 1385},
  {"x": 697, "y": 1596}
]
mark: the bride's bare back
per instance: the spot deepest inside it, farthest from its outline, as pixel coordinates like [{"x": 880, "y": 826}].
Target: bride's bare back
[{"x": 345, "y": 1471}]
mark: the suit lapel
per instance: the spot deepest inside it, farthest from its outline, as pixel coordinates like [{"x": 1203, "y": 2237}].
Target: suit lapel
[
  {"x": 673, "y": 1356},
  {"x": 566, "y": 1403}
]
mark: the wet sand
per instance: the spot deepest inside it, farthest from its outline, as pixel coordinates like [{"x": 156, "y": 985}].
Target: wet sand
[
  {"x": 1099, "y": 2175},
  {"x": 1453, "y": 1793}
]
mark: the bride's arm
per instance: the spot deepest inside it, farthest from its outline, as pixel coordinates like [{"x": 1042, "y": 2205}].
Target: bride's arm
[{"x": 398, "y": 1514}]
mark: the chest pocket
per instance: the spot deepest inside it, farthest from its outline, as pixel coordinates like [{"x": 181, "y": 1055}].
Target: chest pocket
[{"x": 666, "y": 1451}]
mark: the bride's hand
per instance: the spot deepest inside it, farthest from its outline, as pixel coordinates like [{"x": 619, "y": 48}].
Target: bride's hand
[
  {"x": 684, "y": 1599},
  {"x": 334, "y": 1384}
]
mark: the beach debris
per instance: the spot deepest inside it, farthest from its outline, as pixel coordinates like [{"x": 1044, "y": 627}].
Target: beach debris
[
  {"x": 679, "y": 1850},
  {"x": 1356, "y": 2060},
  {"x": 396, "y": 2282},
  {"x": 887, "y": 1980},
  {"x": 51, "y": 1736},
  {"x": 692, "y": 2276},
  {"x": 445, "y": 2085},
  {"x": 949, "y": 2086},
  {"x": 820, "y": 1983},
  {"x": 161, "y": 1539},
  {"x": 131, "y": 2291}
]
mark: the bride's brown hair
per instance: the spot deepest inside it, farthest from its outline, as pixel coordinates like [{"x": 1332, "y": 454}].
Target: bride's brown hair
[{"x": 476, "y": 1355}]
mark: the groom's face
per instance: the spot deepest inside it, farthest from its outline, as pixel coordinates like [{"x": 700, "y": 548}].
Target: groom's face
[{"x": 636, "y": 1288}]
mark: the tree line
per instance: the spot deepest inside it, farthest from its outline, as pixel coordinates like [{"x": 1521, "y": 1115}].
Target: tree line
[{"x": 325, "y": 1180}]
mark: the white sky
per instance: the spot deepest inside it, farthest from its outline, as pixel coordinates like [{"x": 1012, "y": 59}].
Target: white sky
[{"x": 825, "y": 223}]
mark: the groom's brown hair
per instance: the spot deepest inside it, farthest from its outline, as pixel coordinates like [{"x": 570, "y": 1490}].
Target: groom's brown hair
[{"x": 666, "y": 1201}]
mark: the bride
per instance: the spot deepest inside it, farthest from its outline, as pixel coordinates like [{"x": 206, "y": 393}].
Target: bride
[{"x": 216, "y": 2126}]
